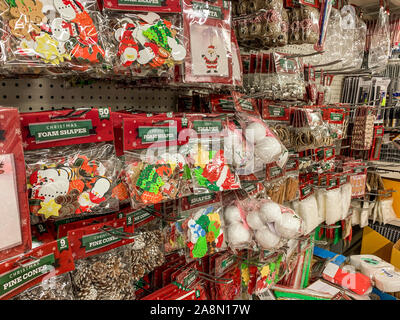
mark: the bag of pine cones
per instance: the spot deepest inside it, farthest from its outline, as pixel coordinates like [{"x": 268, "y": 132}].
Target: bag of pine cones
[
  {"x": 106, "y": 276},
  {"x": 146, "y": 253},
  {"x": 54, "y": 288}
]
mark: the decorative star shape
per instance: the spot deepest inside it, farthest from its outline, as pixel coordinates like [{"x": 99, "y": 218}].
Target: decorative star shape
[{"x": 49, "y": 209}]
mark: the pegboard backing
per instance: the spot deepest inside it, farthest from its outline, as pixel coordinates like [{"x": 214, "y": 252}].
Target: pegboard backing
[{"x": 50, "y": 94}]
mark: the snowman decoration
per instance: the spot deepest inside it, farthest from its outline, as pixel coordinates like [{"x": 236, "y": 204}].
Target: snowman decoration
[
  {"x": 48, "y": 184},
  {"x": 211, "y": 59},
  {"x": 95, "y": 196}
]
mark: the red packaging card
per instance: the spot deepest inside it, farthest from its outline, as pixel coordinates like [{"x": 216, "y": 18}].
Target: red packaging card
[
  {"x": 65, "y": 228},
  {"x": 199, "y": 200},
  {"x": 167, "y": 6},
  {"x": 100, "y": 237},
  {"x": 207, "y": 31},
  {"x": 143, "y": 133},
  {"x": 48, "y": 260},
  {"x": 50, "y": 129},
  {"x": 15, "y": 232}
]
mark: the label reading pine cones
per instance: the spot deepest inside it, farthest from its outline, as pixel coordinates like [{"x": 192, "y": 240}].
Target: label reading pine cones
[
  {"x": 16, "y": 278},
  {"x": 99, "y": 240},
  {"x": 141, "y": 215}
]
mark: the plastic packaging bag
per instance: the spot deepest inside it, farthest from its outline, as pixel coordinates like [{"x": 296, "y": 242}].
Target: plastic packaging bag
[
  {"x": 106, "y": 276},
  {"x": 205, "y": 231},
  {"x": 320, "y": 195},
  {"x": 308, "y": 211},
  {"x": 387, "y": 210},
  {"x": 41, "y": 33},
  {"x": 333, "y": 206},
  {"x": 174, "y": 236},
  {"x": 146, "y": 253},
  {"x": 379, "y": 50},
  {"x": 346, "y": 199},
  {"x": 282, "y": 223},
  {"x": 208, "y": 42},
  {"x": 72, "y": 180},
  {"x": 309, "y": 24},
  {"x": 209, "y": 167},
  {"x": 146, "y": 44},
  {"x": 54, "y": 288},
  {"x": 238, "y": 233},
  {"x": 356, "y": 213},
  {"x": 155, "y": 177},
  {"x": 267, "y": 146}
]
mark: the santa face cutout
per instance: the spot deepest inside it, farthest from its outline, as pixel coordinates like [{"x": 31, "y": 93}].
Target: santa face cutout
[
  {"x": 59, "y": 30},
  {"x": 65, "y": 8},
  {"x": 130, "y": 55}
]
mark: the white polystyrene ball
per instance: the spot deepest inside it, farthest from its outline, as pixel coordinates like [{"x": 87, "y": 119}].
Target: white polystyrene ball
[
  {"x": 270, "y": 212},
  {"x": 254, "y": 221},
  {"x": 238, "y": 235},
  {"x": 268, "y": 149},
  {"x": 289, "y": 227},
  {"x": 232, "y": 215},
  {"x": 267, "y": 239},
  {"x": 255, "y": 132}
]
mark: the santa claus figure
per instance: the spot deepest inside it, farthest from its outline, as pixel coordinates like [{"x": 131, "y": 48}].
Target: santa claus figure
[{"x": 211, "y": 59}]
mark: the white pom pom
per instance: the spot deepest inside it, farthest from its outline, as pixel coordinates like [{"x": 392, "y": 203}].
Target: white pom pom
[
  {"x": 254, "y": 221},
  {"x": 255, "y": 132},
  {"x": 232, "y": 215},
  {"x": 289, "y": 227},
  {"x": 270, "y": 212},
  {"x": 267, "y": 239},
  {"x": 238, "y": 235},
  {"x": 268, "y": 149}
]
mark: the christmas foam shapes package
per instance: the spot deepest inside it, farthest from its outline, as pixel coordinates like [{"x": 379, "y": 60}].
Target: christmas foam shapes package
[
  {"x": 66, "y": 178},
  {"x": 145, "y": 44},
  {"x": 60, "y": 33},
  {"x": 15, "y": 234},
  {"x": 203, "y": 224},
  {"x": 156, "y": 171},
  {"x": 210, "y": 169},
  {"x": 208, "y": 41}
]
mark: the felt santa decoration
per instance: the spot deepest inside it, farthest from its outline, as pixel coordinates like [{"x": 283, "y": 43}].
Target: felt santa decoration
[{"x": 211, "y": 59}]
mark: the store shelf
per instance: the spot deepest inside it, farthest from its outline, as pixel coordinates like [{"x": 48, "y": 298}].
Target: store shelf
[{"x": 51, "y": 94}]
